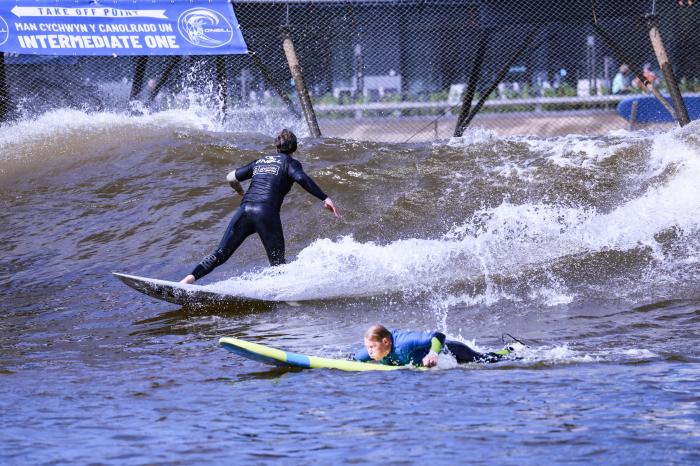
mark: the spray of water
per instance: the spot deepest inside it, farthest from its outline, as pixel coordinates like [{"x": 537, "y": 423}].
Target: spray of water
[{"x": 510, "y": 240}]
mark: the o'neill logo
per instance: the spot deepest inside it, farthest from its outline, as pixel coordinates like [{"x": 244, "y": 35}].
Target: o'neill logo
[
  {"x": 205, "y": 28},
  {"x": 4, "y": 31}
]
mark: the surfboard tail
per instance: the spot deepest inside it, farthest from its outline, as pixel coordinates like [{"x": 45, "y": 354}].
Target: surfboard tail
[{"x": 182, "y": 294}]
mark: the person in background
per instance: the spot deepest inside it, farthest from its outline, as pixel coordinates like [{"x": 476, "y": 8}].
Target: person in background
[
  {"x": 622, "y": 82},
  {"x": 649, "y": 75},
  {"x": 271, "y": 178},
  {"x": 401, "y": 348}
]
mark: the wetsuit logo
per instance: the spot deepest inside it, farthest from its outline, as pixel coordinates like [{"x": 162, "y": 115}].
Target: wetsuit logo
[
  {"x": 205, "y": 28},
  {"x": 268, "y": 159},
  {"x": 4, "y": 31},
  {"x": 265, "y": 170}
]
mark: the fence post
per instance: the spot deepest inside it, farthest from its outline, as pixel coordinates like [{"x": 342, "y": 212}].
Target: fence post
[
  {"x": 359, "y": 79},
  {"x": 622, "y": 57},
  {"x": 633, "y": 114},
  {"x": 140, "y": 64},
  {"x": 297, "y": 74},
  {"x": 4, "y": 92},
  {"x": 174, "y": 60},
  {"x": 271, "y": 81},
  {"x": 660, "y": 51},
  {"x": 500, "y": 77},
  {"x": 471, "y": 89},
  {"x": 222, "y": 85}
]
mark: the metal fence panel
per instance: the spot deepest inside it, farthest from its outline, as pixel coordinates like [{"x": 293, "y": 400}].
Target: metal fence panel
[{"x": 393, "y": 70}]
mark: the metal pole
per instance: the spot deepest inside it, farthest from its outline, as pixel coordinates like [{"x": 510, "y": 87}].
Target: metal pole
[
  {"x": 660, "y": 51},
  {"x": 359, "y": 79},
  {"x": 594, "y": 67},
  {"x": 303, "y": 92},
  {"x": 174, "y": 60},
  {"x": 271, "y": 81},
  {"x": 501, "y": 75},
  {"x": 606, "y": 76},
  {"x": 471, "y": 89},
  {"x": 4, "y": 93},
  {"x": 222, "y": 85},
  {"x": 589, "y": 62},
  {"x": 140, "y": 64}
]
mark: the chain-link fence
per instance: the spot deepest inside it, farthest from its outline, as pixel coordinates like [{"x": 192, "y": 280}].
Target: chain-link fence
[{"x": 396, "y": 70}]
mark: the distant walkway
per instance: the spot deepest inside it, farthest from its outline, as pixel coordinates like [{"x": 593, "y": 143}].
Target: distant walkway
[{"x": 542, "y": 124}]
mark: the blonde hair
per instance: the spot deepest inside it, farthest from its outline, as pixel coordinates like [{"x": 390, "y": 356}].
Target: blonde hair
[{"x": 377, "y": 332}]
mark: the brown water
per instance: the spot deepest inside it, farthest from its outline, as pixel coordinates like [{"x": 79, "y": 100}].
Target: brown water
[{"x": 585, "y": 247}]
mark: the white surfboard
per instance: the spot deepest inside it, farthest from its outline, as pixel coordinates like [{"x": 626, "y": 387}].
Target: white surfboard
[{"x": 178, "y": 293}]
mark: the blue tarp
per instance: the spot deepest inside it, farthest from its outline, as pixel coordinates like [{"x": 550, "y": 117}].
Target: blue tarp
[
  {"x": 650, "y": 110},
  {"x": 118, "y": 28}
]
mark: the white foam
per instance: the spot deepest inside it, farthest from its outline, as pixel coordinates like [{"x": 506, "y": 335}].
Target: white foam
[
  {"x": 558, "y": 354},
  {"x": 346, "y": 267},
  {"x": 473, "y": 136},
  {"x": 191, "y": 111},
  {"x": 504, "y": 239},
  {"x": 639, "y": 353},
  {"x": 579, "y": 151},
  {"x": 74, "y": 124},
  {"x": 551, "y": 296}
]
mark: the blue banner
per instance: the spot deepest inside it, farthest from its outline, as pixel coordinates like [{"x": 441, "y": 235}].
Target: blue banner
[{"x": 120, "y": 27}]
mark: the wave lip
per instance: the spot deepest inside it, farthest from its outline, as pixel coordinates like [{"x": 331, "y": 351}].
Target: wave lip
[{"x": 516, "y": 242}]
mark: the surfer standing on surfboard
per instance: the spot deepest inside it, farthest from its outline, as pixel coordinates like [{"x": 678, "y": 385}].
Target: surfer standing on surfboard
[{"x": 271, "y": 178}]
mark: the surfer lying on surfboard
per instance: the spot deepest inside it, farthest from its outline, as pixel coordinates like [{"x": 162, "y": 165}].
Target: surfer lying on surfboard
[
  {"x": 271, "y": 178},
  {"x": 401, "y": 348}
]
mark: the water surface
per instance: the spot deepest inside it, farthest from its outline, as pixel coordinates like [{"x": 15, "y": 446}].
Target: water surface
[{"x": 587, "y": 248}]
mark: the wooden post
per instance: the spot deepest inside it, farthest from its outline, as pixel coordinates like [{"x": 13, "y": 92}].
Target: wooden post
[
  {"x": 271, "y": 81},
  {"x": 633, "y": 114},
  {"x": 140, "y": 64},
  {"x": 303, "y": 92},
  {"x": 4, "y": 92},
  {"x": 660, "y": 51},
  {"x": 623, "y": 58}
]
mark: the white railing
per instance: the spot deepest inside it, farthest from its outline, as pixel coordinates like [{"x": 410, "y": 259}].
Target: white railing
[{"x": 536, "y": 102}]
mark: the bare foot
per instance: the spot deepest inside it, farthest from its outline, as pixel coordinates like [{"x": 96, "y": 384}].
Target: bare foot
[{"x": 188, "y": 280}]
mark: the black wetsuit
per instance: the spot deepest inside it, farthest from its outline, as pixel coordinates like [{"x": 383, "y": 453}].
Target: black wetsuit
[
  {"x": 272, "y": 178},
  {"x": 464, "y": 354}
]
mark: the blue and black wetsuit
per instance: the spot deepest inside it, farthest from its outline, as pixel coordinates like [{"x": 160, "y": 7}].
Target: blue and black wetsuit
[
  {"x": 271, "y": 178},
  {"x": 409, "y": 347}
]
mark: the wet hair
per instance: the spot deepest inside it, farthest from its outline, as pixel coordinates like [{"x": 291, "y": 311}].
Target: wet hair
[
  {"x": 377, "y": 332},
  {"x": 286, "y": 142}
]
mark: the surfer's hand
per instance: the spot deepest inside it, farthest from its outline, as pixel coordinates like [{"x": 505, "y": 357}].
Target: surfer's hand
[
  {"x": 330, "y": 206},
  {"x": 188, "y": 280},
  {"x": 430, "y": 359},
  {"x": 237, "y": 187},
  {"x": 235, "y": 184}
]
